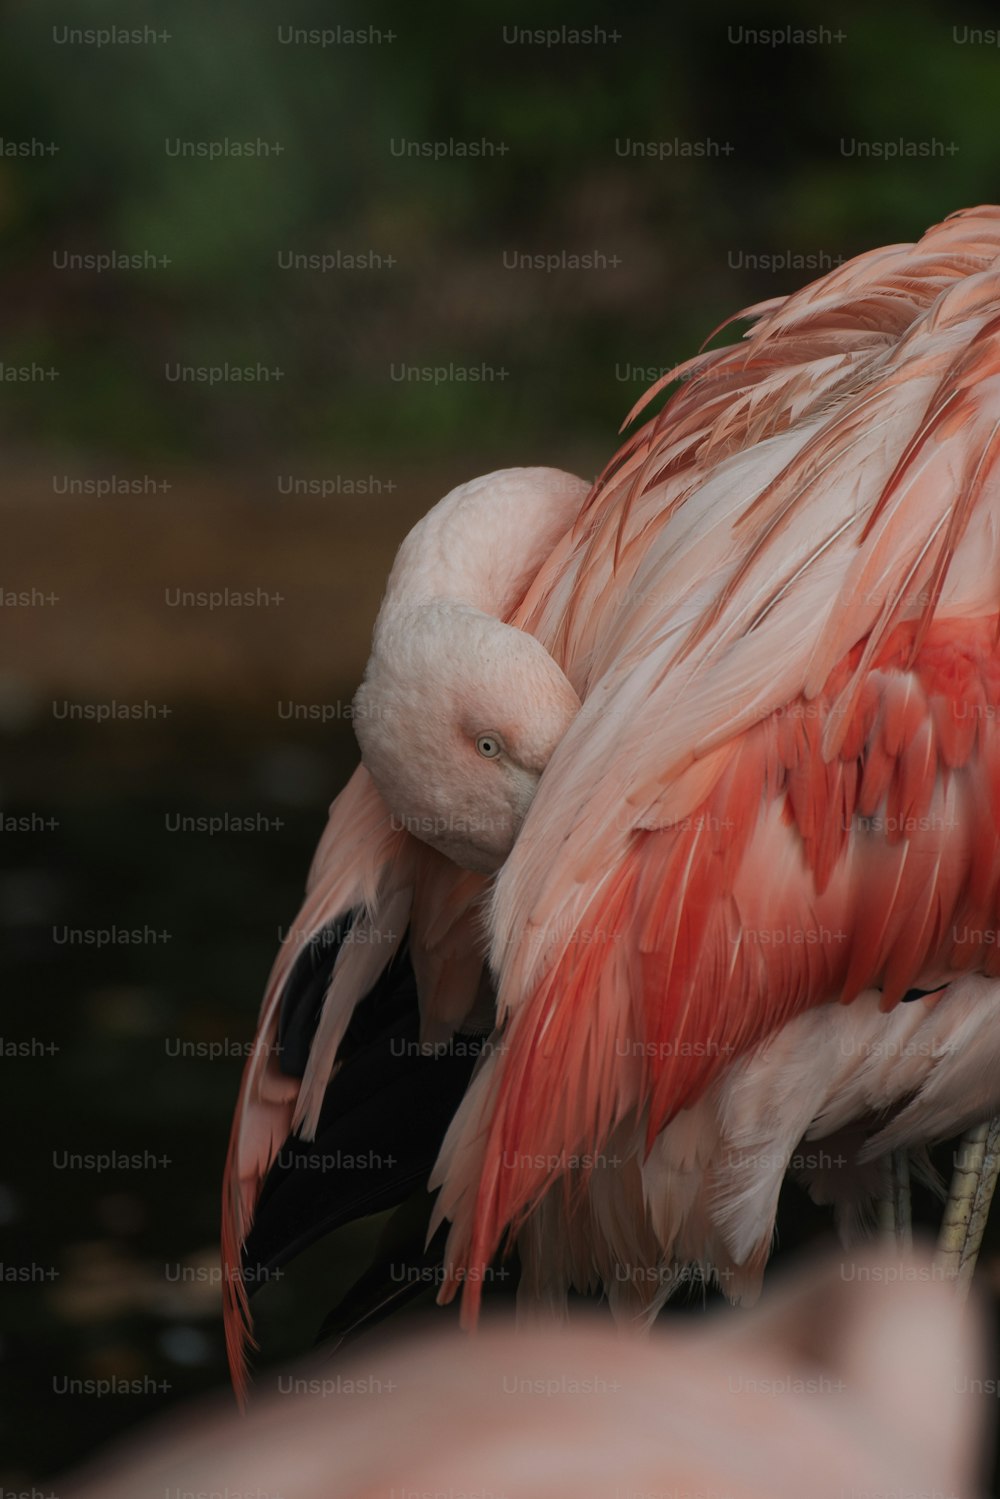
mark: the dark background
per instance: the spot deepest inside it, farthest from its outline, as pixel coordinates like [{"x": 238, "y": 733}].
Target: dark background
[{"x": 110, "y": 1273}]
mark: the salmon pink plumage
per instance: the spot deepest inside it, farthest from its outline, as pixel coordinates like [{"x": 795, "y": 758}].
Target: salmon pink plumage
[{"x": 770, "y": 812}]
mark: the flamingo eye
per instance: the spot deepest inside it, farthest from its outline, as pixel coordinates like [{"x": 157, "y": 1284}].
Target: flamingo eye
[{"x": 489, "y": 746}]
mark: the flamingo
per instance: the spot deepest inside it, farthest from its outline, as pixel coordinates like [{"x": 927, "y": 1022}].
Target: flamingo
[
  {"x": 675, "y": 786},
  {"x": 830, "y": 1388}
]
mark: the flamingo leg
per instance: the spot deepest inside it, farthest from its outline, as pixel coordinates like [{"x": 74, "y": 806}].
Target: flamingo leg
[
  {"x": 895, "y": 1216},
  {"x": 973, "y": 1183}
]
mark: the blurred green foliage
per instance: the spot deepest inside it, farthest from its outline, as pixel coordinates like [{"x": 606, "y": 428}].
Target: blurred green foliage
[{"x": 675, "y": 224}]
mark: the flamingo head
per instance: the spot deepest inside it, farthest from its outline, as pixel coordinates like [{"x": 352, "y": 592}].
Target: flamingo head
[{"x": 457, "y": 718}]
